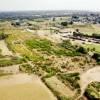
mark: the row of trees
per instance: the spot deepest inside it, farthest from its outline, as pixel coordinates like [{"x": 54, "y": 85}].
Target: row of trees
[
  {"x": 66, "y": 23},
  {"x": 78, "y": 33}
]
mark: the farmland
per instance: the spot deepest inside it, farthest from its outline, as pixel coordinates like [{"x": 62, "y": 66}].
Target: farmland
[
  {"x": 26, "y": 87},
  {"x": 48, "y": 59}
]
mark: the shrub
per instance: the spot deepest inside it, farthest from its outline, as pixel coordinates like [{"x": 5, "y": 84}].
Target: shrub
[
  {"x": 64, "y": 23},
  {"x": 26, "y": 68},
  {"x": 96, "y": 56},
  {"x": 81, "y": 50}
]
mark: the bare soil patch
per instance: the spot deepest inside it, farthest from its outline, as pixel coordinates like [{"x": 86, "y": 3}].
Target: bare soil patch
[{"x": 24, "y": 87}]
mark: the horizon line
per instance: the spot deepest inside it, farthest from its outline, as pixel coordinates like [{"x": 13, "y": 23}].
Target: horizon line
[{"x": 50, "y": 10}]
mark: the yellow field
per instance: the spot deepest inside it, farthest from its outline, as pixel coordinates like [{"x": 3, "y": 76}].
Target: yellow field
[
  {"x": 19, "y": 88},
  {"x": 28, "y": 91}
]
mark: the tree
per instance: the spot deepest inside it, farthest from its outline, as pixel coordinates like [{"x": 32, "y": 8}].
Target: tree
[
  {"x": 71, "y": 22},
  {"x": 64, "y": 23},
  {"x": 96, "y": 56},
  {"x": 81, "y": 50},
  {"x": 54, "y": 19},
  {"x": 77, "y": 30}
]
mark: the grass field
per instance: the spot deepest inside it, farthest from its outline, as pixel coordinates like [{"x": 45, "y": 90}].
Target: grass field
[{"x": 93, "y": 45}]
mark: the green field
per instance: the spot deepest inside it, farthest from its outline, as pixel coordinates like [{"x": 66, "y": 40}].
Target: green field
[{"x": 92, "y": 46}]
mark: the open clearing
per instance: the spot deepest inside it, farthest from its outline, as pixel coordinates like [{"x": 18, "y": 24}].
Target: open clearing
[
  {"x": 24, "y": 87},
  {"x": 4, "y": 49}
]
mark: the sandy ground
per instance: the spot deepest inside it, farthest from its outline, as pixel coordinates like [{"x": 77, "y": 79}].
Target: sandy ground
[
  {"x": 89, "y": 76},
  {"x": 46, "y": 34},
  {"x": 11, "y": 69},
  {"x": 4, "y": 48},
  {"x": 54, "y": 38},
  {"x": 24, "y": 87},
  {"x": 16, "y": 79}
]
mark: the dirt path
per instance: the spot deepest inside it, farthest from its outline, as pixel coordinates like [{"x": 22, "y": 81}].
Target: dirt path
[
  {"x": 88, "y": 77},
  {"x": 4, "y": 48}
]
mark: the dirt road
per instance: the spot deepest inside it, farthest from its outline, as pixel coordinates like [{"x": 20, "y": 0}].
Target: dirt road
[
  {"x": 4, "y": 49},
  {"x": 88, "y": 77}
]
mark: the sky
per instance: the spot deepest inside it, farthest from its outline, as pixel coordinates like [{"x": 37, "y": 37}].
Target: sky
[{"x": 22, "y": 5}]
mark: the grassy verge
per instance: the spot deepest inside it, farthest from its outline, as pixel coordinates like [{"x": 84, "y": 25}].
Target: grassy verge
[{"x": 12, "y": 61}]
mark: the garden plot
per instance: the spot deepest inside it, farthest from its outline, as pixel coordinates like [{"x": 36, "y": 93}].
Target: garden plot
[{"x": 59, "y": 87}]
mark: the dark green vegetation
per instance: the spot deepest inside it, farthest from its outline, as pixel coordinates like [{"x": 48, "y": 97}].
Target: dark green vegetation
[
  {"x": 96, "y": 56},
  {"x": 81, "y": 50},
  {"x": 93, "y": 91},
  {"x": 67, "y": 23},
  {"x": 64, "y": 23}
]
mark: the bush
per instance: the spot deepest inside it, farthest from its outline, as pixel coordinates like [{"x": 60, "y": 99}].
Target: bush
[
  {"x": 81, "y": 50},
  {"x": 96, "y": 56},
  {"x": 64, "y": 23}
]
